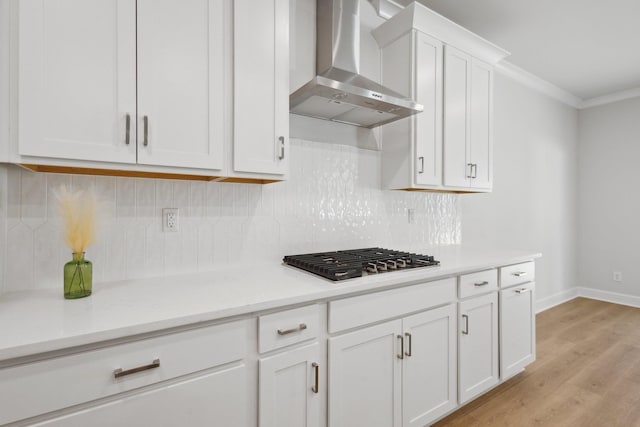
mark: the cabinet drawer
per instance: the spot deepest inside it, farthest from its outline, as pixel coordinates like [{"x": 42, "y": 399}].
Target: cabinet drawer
[
  {"x": 478, "y": 283},
  {"x": 517, "y": 273},
  {"x": 358, "y": 311},
  {"x": 288, "y": 327},
  {"x": 40, "y": 387}
]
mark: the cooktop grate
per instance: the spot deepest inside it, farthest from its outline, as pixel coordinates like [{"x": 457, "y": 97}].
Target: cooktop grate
[{"x": 341, "y": 265}]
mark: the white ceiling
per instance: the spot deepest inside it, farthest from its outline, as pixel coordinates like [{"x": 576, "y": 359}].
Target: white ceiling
[{"x": 589, "y": 48}]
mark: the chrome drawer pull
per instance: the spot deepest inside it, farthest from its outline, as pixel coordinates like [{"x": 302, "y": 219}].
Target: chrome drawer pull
[
  {"x": 145, "y": 122},
  {"x": 315, "y": 366},
  {"x": 127, "y": 128},
  {"x": 470, "y": 170},
  {"x": 408, "y": 353},
  {"x": 120, "y": 373},
  {"x": 485, "y": 283},
  {"x": 466, "y": 324},
  {"x": 281, "y": 140},
  {"x": 522, "y": 291},
  {"x": 300, "y": 327},
  {"x": 520, "y": 273}
]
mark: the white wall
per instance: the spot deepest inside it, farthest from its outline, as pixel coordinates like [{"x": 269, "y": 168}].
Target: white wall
[
  {"x": 533, "y": 204},
  {"x": 609, "y": 201}
]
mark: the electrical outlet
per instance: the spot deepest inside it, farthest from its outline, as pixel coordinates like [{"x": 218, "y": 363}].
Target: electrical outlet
[
  {"x": 170, "y": 219},
  {"x": 617, "y": 276}
]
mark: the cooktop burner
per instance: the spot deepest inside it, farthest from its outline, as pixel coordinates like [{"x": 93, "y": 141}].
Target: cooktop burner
[{"x": 342, "y": 265}]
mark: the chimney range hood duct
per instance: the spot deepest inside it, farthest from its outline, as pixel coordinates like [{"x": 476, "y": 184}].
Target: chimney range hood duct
[{"x": 339, "y": 93}]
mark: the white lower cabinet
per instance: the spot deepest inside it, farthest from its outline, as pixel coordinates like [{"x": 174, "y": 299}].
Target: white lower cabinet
[
  {"x": 365, "y": 377},
  {"x": 429, "y": 371},
  {"x": 289, "y": 388},
  {"x": 399, "y": 373},
  {"x": 517, "y": 329},
  {"x": 218, "y": 398},
  {"x": 478, "y": 346},
  {"x": 195, "y": 377}
]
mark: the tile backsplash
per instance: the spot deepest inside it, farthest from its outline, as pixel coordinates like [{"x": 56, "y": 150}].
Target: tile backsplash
[{"x": 331, "y": 201}]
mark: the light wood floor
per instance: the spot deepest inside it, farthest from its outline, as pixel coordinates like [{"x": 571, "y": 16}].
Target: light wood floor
[{"x": 587, "y": 373}]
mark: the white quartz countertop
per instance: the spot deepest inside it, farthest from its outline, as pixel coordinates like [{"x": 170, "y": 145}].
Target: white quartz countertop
[{"x": 34, "y": 322}]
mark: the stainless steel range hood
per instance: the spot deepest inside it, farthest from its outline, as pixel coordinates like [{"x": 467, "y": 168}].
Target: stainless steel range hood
[{"x": 339, "y": 93}]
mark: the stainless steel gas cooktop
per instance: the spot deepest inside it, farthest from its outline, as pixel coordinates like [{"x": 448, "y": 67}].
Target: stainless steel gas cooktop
[{"x": 342, "y": 265}]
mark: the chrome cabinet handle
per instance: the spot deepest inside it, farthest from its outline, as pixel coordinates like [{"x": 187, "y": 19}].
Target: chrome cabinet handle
[
  {"x": 120, "y": 373},
  {"x": 300, "y": 327},
  {"x": 470, "y": 175},
  {"x": 145, "y": 122},
  {"x": 466, "y": 324},
  {"x": 408, "y": 335},
  {"x": 520, "y": 273},
  {"x": 281, "y": 156},
  {"x": 127, "y": 128},
  {"x": 315, "y": 366},
  {"x": 401, "y": 355},
  {"x": 478, "y": 284},
  {"x": 474, "y": 170},
  {"x": 522, "y": 291},
  {"x": 421, "y": 164}
]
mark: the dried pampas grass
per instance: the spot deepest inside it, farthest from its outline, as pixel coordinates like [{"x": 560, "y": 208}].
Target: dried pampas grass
[{"x": 78, "y": 211}]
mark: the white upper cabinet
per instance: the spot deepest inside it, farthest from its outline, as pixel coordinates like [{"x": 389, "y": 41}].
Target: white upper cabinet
[
  {"x": 412, "y": 66},
  {"x": 457, "y": 171},
  {"x": 191, "y": 87},
  {"x": 480, "y": 128},
  {"x": 467, "y": 121},
  {"x": 77, "y": 79},
  {"x": 181, "y": 83},
  {"x": 449, "y": 70},
  {"x": 261, "y": 87}
]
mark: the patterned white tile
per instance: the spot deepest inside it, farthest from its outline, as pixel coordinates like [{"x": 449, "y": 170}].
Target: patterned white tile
[
  {"x": 20, "y": 253},
  {"x": 125, "y": 198},
  {"x": 164, "y": 196},
  {"x": 55, "y": 182},
  {"x": 181, "y": 195},
  {"x": 332, "y": 200},
  {"x": 47, "y": 265},
  {"x": 145, "y": 198},
  {"x": 212, "y": 194},
  {"x": 33, "y": 200},
  {"x": 197, "y": 201}
]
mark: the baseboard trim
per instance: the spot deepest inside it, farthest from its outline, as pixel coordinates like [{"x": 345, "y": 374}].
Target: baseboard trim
[
  {"x": 579, "y": 291},
  {"x": 556, "y": 299},
  {"x": 614, "y": 297}
]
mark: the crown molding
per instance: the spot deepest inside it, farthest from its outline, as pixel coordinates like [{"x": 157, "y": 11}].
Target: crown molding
[
  {"x": 612, "y": 97},
  {"x": 389, "y": 8},
  {"x": 531, "y": 80}
]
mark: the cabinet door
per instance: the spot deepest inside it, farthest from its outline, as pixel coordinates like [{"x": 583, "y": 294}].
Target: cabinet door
[
  {"x": 457, "y": 65},
  {"x": 77, "y": 68},
  {"x": 261, "y": 86},
  {"x": 365, "y": 377},
  {"x": 182, "y": 82},
  {"x": 428, "y": 131},
  {"x": 481, "y": 128},
  {"x": 430, "y": 366},
  {"x": 517, "y": 329},
  {"x": 288, "y": 394},
  {"x": 218, "y": 398},
  {"x": 478, "y": 346}
]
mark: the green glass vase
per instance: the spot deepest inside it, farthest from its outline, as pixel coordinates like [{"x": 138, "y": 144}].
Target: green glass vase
[{"x": 78, "y": 276}]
